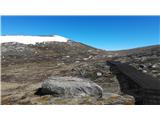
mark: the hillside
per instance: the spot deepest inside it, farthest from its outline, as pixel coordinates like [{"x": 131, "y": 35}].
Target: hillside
[
  {"x": 26, "y": 66},
  {"x": 145, "y": 59}
]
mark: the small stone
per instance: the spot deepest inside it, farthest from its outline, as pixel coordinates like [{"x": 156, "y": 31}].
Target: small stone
[
  {"x": 36, "y": 52},
  {"x": 99, "y": 74},
  {"x": 110, "y": 56},
  {"x": 59, "y": 64},
  {"x": 77, "y": 62},
  {"x": 89, "y": 50},
  {"x": 67, "y": 56},
  {"x": 90, "y": 56},
  {"x": 144, "y": 71},
  {"x": 154, "y": 66},
  {"x": 85, "y": 59}
]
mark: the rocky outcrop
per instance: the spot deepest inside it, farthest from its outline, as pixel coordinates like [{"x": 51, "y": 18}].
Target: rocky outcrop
[
  {"x": 70, "y": 87},
  {"x": 146, "y": 59}
]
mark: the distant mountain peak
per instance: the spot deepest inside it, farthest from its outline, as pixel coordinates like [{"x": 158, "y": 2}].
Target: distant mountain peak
[{"x": 32, "y": 39}]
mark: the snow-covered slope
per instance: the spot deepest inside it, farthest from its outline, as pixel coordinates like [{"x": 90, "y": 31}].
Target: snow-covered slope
[{"x": 32, "y": 39}]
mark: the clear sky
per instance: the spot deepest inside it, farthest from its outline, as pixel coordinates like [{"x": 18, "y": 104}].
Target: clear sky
[{"x": 105, "y": 32}]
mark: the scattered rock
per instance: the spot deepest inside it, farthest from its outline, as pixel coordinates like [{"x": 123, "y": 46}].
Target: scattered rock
[
  {"x": 85, "y": 59},
  {"x": 154, "y": 66},
  {"x": 110, "y": 56},
  {"x": 77, "y": 61},
  {"x": 91, "y": 56},
  {"x": 59, "y": 64},
  {"x": 68, "y": 56},
  {"x": 99, "y": 74}
]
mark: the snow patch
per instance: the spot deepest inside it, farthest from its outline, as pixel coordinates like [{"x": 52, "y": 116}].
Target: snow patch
[{"x": 32, "y": 39}]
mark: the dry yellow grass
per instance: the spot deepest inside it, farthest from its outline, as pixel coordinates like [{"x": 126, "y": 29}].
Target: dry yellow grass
[{"x": 8, "y": 86}]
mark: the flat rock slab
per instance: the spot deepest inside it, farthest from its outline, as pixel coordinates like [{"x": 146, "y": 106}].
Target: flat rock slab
[{"x": 70, "y": 87}]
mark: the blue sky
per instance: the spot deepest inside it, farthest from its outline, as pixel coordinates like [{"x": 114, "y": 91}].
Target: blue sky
[{"x": 105, "y": 32}]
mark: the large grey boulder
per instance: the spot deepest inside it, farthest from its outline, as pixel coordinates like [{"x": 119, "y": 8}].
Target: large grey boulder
[{"x": 70, "y": 87}]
